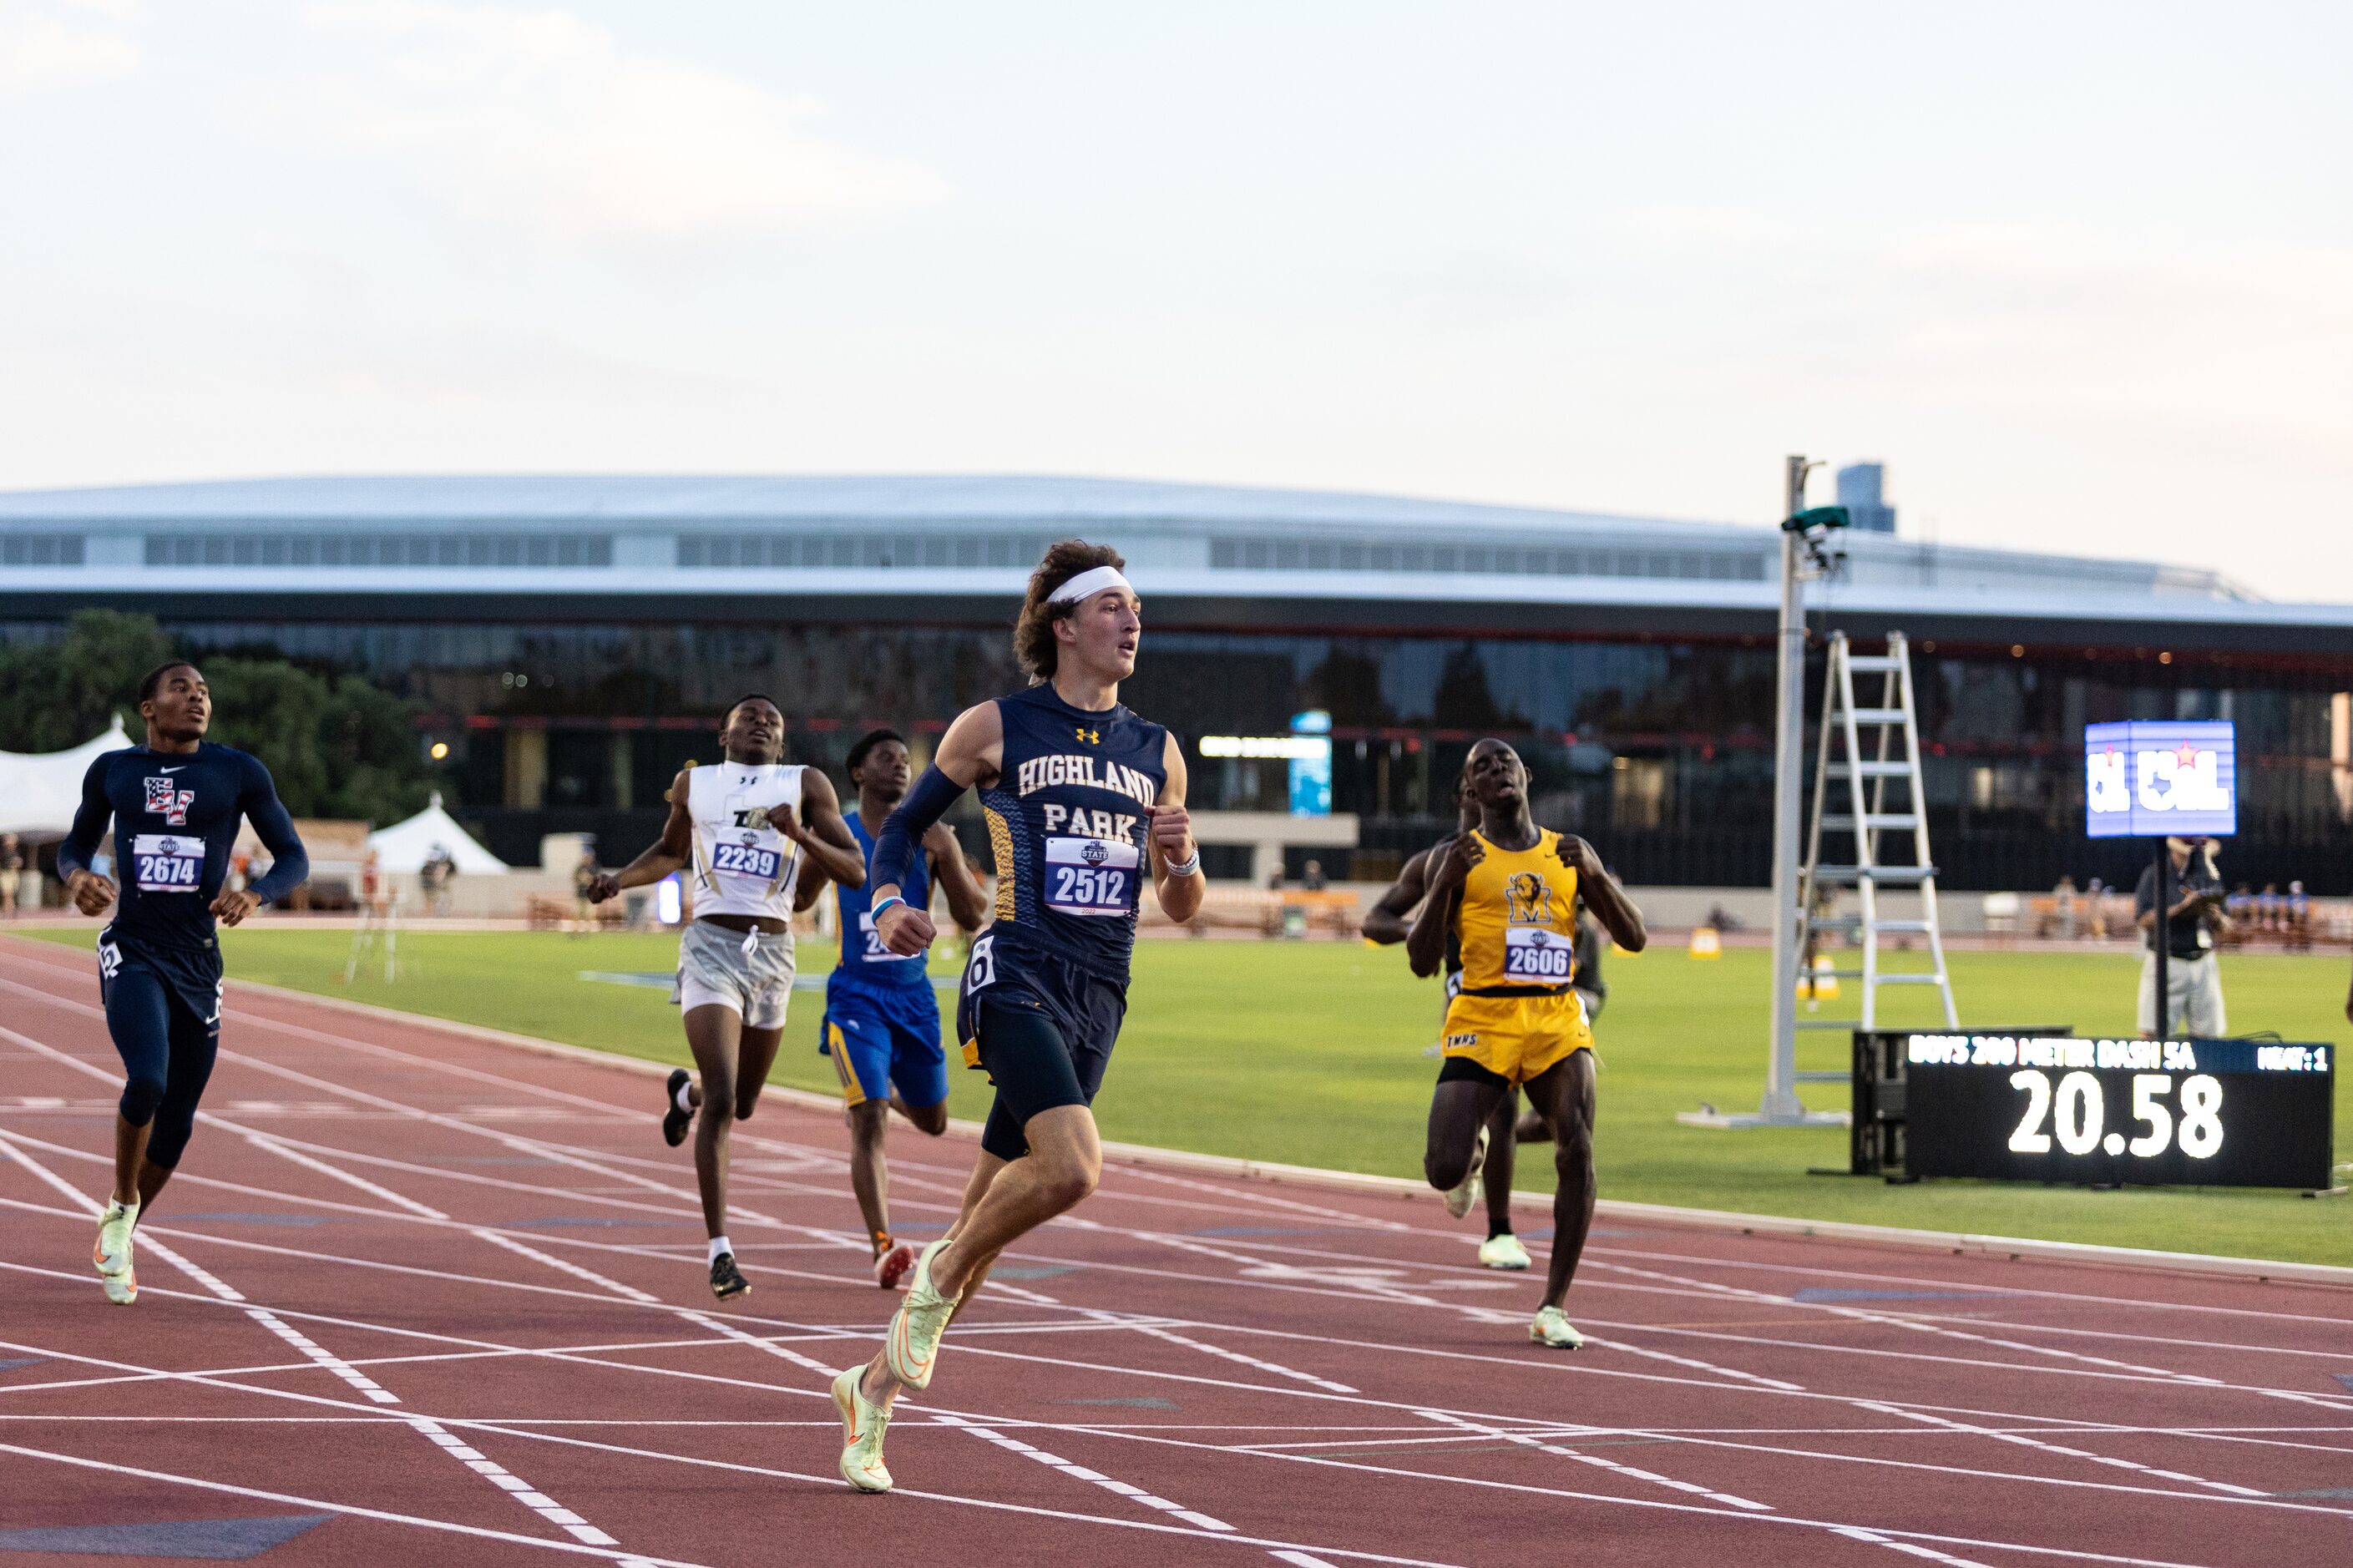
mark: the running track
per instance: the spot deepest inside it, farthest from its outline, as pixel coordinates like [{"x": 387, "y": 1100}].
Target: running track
[{"x": 422, "y": 1297}]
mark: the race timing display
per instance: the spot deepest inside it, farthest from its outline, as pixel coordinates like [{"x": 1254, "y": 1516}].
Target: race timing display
[
  {"x": 2039, "y": 1108},
  {"x": 2146, "y": 779}
]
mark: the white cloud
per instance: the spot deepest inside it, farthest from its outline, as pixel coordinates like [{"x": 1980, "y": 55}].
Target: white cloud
[
  {"x": 50, "y": 45},
  {"x": 540, "y": 117}
]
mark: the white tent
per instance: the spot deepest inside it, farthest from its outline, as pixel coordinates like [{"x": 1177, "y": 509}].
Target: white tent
[
  {"x": 406, "y": 845},
  {"x": 40, "y": 791}
]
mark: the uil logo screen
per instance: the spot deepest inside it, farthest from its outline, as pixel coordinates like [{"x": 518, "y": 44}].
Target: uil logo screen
[
  {"x": 2146, "y": 779},
  {"x": 167, "y": 800}
]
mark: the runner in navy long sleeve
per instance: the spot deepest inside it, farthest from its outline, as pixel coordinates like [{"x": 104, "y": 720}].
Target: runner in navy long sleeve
[{"x": 176, "y": 804}]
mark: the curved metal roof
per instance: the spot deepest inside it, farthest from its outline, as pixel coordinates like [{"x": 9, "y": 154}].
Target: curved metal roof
[{"x": 582, "y": 544}]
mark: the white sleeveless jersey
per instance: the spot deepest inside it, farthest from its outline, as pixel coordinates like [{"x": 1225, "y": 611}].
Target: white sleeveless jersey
[{"x": 743, "y": 866}]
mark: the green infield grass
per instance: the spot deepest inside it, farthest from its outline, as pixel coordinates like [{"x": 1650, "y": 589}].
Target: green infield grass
[{"x": 1310, "y": 1053}]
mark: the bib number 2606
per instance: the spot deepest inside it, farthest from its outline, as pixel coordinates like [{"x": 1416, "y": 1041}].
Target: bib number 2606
[{"x": 1534, "y": 953}]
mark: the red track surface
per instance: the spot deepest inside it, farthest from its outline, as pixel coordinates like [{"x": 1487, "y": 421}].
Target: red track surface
[{"x": 449, "y": 1296}]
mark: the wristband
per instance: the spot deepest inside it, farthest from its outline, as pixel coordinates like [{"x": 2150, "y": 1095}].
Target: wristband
[
  {"x": 876, "y": 912},
  {"x": 1191, "y": 864}
]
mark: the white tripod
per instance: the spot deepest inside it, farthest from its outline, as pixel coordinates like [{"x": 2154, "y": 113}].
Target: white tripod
[{"x": 379, "y": 916}]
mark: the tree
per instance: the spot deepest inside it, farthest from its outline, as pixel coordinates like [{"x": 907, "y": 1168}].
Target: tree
[
  {"x": 336, "y": 745},
  {"x": 55, "y": 696}
]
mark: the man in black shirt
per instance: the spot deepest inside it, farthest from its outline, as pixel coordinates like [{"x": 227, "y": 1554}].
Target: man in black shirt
[
  {"x": 2193, "y": 989},
  {"x": 176, "y": 804}
]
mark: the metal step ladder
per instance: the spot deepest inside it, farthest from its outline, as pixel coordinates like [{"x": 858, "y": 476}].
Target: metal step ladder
[{"x": 1864, "y": 751}]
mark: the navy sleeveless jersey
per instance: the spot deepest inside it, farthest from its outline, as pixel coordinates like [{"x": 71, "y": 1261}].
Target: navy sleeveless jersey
[
  {"x": 1066, "y": 826},
  {"x": 864, "y": 959},
  {"x": 175, "y": 820}
]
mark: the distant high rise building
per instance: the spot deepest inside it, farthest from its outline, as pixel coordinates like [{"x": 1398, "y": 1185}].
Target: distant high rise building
[{"x": 1858, "y": 491}]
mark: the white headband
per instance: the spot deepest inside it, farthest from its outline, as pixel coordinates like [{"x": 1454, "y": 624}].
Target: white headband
[{"x": 1087, "y": 585}]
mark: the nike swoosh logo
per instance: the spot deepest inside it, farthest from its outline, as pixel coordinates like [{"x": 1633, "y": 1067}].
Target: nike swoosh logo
[{"x": 176, "y": 769}]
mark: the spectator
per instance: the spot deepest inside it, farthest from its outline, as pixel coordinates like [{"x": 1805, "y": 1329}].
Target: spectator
[
  {"x": 2299, "y": 916},
  {"x": 2193, "y": 988},
  {"x": 2096, "y": 894},
  {"x": 1312, "y": 878},
  {"x": 584, "y": 883},
  {"x": 433, "y": 878},
  {"x": 2267, "y": 907},
  {"x": 12, "y": 874},
  {"x": 2062, "y": 907}
]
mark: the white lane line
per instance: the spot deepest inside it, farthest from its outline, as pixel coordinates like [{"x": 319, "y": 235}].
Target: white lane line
[
  {"x": 1419, "y": 1475},
  {"x": 280, "y": 1148},
  {"x": 1080, "y": 1472},
  {"x": 507, "y": 1481},
  {"x": 1598, "y": 1462},
  {"x": 349, "y": 1510},
  {"x": 1322, "y": 1338},
  {"x": 1250, "y": 1361},
  {"x": 84, "y": 1204},
  {"x": 1526, "y": 1425},
  {"x": 1777, "y": 1384},
  {"x": 1930, "y": 1282},
  {"x": 565, "y": 1266},
  {"x": 1916, "y": 1325},
  {"x": 1656, "y": 1505},
  {"x": 1910, "y": 1549},
  {"x": 1707, "y": 1290},
  {"x": 376, "y": 1391},
  {"x": 2021, "y": 1439},
  {"x": 723, "y": 1327},
  {"x": 538, "y": 1502},
  {"x": 820, "y": 1366}
]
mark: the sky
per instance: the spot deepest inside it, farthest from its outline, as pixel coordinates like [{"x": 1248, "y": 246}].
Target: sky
[{"x": 2080, "y": 276}]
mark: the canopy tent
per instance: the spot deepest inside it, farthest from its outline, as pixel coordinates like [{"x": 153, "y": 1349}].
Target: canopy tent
[
  {"x": 406, "y": 845},
  {"x": 40, "y": 790}
]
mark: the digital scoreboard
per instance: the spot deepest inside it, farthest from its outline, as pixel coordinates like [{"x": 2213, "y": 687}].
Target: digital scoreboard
[
  {"x": 2147, "y": 778},
  {"x": 2051, "y": 1108}
]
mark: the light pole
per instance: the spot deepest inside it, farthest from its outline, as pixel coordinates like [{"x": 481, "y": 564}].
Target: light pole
[{"x": 1780, "y": 1103}]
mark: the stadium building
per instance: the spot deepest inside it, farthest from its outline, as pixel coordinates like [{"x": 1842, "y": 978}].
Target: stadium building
[{"x": 574, "y": 639}]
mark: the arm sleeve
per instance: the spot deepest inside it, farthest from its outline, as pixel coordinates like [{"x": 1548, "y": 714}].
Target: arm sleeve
[
  {"x": 290, "y": 863},
  {"x": 903, "y": 835},
  {"x": 89, "y": 821},
  {"x": 2144, "y": 895}
]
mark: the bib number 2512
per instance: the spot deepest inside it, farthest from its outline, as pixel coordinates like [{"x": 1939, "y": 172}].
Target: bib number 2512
[{"x": 1090, "y": 875}]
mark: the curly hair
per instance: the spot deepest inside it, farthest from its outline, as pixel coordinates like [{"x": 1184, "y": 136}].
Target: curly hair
[
  {"x": 153, "y": 680},
  {"x": 1033, "y": 633}
]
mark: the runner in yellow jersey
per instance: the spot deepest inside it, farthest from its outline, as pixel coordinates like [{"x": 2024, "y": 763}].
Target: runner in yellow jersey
[{"x": 1505, "y": 896}]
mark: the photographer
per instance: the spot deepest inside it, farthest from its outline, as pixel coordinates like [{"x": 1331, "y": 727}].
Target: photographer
[{"x": 2193, "y": 988}]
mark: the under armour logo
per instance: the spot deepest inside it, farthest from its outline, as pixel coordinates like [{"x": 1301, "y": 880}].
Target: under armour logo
[
  {"x": 1091, "y": 737},
  {"x": 167, "y": 800}
]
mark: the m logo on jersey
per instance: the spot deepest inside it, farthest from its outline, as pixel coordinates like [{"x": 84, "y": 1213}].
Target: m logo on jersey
[
  {"x": 1527, "y": 900},
  {"x": 167, "y": 800}
]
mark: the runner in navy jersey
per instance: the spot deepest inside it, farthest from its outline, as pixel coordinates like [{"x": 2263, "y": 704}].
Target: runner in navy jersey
[
  {"x": 176, "y": 803},
  {"x": 1082, "y": 799}
]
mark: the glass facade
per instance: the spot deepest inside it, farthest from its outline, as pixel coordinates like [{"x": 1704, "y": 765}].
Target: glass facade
[{"x": 1658, "y": 750}]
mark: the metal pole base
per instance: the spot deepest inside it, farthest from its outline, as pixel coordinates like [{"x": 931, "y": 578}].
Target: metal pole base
[{"x": 1803, "y": 1118}]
